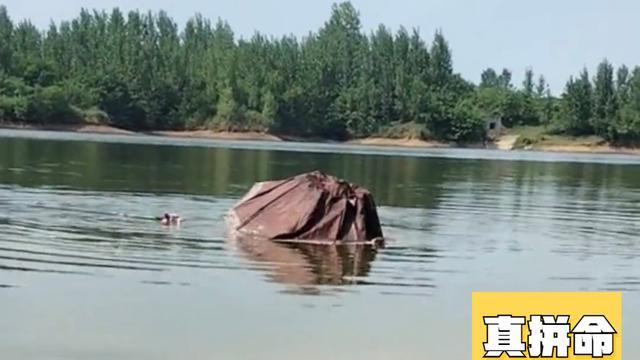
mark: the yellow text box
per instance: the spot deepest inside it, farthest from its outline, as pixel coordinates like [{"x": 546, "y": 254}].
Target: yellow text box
[{"x": 498, "y": 308}]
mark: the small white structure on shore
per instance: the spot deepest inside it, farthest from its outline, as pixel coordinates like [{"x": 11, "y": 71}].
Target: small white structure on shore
[{"x": 493, "y": 127}]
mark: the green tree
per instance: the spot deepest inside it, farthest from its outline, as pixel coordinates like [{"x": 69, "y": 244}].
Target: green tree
[
  {"x": 527, "y": 83},
  {"x": 441, "y": 62},
  {"x": 605, "y": 105},
  {"x": 577, "y": 106},
  {"x": 489, "y": 78},
  {"x": 541, "y": 87},
  {"x": 6, "y": 41},
  {"x": 504, "y": 79},
  {"x": 622, "y": 85}
]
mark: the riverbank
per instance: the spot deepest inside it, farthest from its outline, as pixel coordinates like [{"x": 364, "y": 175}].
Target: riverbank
[
  {"x": 106, "y": 129},
  {"x": 210, "y": 134},
  {"x": 580, "y": 148},
  {"x": 512, "y": 140},
  {"x": 79, "y": 128},
  {"x": 538, "y": 138},
  {"x": 399, "y": 142}
]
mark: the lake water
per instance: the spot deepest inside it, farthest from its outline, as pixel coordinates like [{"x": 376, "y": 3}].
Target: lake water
[{"x": 84, "y": 273}]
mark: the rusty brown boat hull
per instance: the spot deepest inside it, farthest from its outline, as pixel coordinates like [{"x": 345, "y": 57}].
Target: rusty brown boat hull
[{"x": 312, "y": 207}]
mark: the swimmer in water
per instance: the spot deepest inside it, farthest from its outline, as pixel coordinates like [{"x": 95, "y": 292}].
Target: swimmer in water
[{"x": 169, "y": 219}]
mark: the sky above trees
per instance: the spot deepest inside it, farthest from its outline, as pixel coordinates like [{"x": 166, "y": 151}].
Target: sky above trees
[{"x": 553, "y": 37}]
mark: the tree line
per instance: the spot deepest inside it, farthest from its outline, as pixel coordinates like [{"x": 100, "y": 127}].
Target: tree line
[{"x": 141, "y": 71}]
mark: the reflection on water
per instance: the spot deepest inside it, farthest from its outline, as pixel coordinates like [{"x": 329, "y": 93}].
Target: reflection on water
[
  {"x": 309, "y": 264},
  {"x": 85, "y": 273}
]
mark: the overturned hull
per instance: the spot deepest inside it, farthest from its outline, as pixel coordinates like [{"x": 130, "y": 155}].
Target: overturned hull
[{"x": 311, "y": 207}]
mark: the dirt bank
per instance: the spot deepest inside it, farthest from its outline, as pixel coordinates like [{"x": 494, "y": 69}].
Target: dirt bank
[
  {"x": 398, "y": 142},
  {"x": 595, "y": 149},
  {"x": 80, "y": 128},
  {"x": 209, "y": 134},
  {"x": 106, "y": 129},
  {"x": 506, "y": 142}
]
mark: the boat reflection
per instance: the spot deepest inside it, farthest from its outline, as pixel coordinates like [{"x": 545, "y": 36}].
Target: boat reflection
[{"x": 308, "y": 264}]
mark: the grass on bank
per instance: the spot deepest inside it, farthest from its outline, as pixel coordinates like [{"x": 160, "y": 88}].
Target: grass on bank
[
  {"x": 540, "y": 136},
  {"x": 92, "y": 116},
  {"x": 405, "y": 131},
  {"x": 68, "y": 116}
]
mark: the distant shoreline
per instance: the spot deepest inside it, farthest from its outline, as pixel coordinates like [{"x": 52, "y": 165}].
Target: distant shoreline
[
  {"x": 110, "y": 130},
  {"x": 505, "y": 143}
]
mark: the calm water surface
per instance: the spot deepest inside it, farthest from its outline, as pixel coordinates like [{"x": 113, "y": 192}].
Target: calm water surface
[{"x": 84, "y": 273}]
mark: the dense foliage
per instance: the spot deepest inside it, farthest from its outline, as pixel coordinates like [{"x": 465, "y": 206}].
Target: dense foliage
[{"x": 140, "y": 71}]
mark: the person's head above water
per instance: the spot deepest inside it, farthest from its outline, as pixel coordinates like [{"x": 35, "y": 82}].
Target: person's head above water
[{"x": 170, "y": 219}]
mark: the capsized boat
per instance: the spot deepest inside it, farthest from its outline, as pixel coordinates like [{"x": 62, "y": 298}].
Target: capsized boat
[{"x": 308, "y": 208}]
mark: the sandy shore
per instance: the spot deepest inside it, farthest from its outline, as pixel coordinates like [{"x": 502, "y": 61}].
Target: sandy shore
[
  {"x": 398, "y": 142},
  {"x": 106, "y": 129},
  {"x": 505, "y": 143},
  {"x": 80, "y": 128},
  {"x": 599, "y": 149},
  {"x": 209, "y": 134}
]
